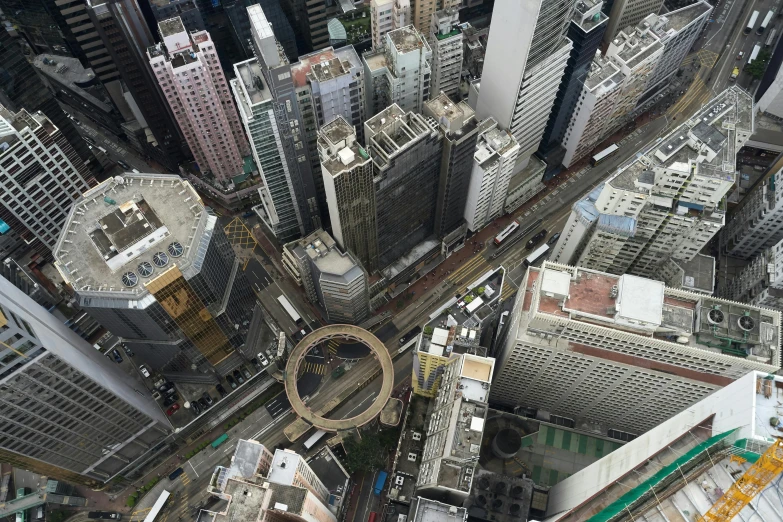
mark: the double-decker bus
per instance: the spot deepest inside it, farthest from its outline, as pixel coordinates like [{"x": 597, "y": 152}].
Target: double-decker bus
[
  {"x": 535, "y": 256},
  {"x": 513, "y": 227}
]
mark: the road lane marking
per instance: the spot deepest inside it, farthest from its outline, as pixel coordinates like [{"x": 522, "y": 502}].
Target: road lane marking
[{"x": 194, "y": 469}]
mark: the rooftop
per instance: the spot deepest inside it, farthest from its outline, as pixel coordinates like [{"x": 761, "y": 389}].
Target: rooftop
[
  {"x": 284, "y": 467},
  {"x": 604, "y": 74},
  {"x": 406, "y": 39},
  {"x": 425, "y": 510},
  {"x": 680, "y": 18},
  {"x": 253, "y": 83},
  {"x": 698, "y": 273},
  {"x": 337, "y": 140},
  {"x": 171, "y": 26},
  {"x": 322, "y": 250},
  {"x": 492, "y": 144},
  {"x": 391, "y": 131},
  {"x": 588, "y": 15},
  {"x": 125, "y": 231},
  {"x": 246, "y": 501},
  {"x": 635, "y": 47},
  {"x": 499, "y": 498},
  {"x": 451, "y": 116},
  {"x": 327, "y": 467},
  {"x": 375, "y": 60}
]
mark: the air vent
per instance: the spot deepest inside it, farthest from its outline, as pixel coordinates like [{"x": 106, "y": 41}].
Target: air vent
[
  {"x": 130, "y": 279},
  {"x": 715, "y": 316},
  {"x": 160, "y": 259},
  {"x": 175, "y": 249},
  {"x": 746, "y": 323},
  {"x": 145, "y": 269}
]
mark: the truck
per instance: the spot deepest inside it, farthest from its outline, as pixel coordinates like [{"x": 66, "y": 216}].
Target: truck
[
  {"x": 734, "y": 74},
  {"x": 771, "y": 38},
  {"x": 379, "y": 483},
  {"x": 754, "y": 54},
  {"x": 765, "y": 23},
  {"x": 751, "y": 22}
]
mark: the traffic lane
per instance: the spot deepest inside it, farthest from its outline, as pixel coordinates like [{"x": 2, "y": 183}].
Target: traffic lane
[
  {"x": 257, "y": 274},
  {"x": 387, "y": 332}
]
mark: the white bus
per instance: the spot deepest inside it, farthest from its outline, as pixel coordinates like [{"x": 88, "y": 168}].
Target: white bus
[
  {"x": 754, "y": 54},
  {"x": 314, "y": 438},
  {"x": 536, "y": 255},
  {"x": 608, "y": 151},
  {"x": 158, "y": 507},
  {"x": 506, "y": 232},
  {"x": 289, "y": 309}
]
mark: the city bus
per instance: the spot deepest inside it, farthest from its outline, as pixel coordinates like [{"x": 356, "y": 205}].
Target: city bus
[
  {"x": 751, "y": 22},
  {"x": 157, "y": 507},
  {"x": 314, "y": 438},
  {"x": 290, "y": 310},
  {"x": 608, "y": 151},
  {"x": 513, "y": 227},
  {"x": 535, "y": 256},
  {"x": 220, "y": 440}
]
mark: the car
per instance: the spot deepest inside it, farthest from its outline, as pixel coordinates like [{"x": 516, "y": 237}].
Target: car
[
  {"x": 168, "y": 401},
  {"x": 552, "y": 240},
  {"x": 256, "y": 363},
  {"x": 195, "y": 408},
  {"x": 165, "y": 386},
  {"x": 172, "y": 409},
  {"x": 207, "y": 397},
  {"x": 221, "y": 390},
  {"x": 128, "y": 351},
  {"x": 116, "y": 355},
  {"x": 238, "y": 377},
  {"x": 247, "y": 373},
  {"x": 248, "y": 214},
  {"x": 123, "y": 164},
  {"x": 144, "y": 371},
  {"x": 160, "y": 382},
  {"x": 156, "y": 395},
  {"x": 176, "y": 473},
  {"x": 264, "y": 361},
  {"x": 170, "y": 391},
  {"x": 533, "y": 241},
  {"x": 203, "y": 404},
  {"x": 231, "y": 382},
  {"x": 740, "y": 55}
]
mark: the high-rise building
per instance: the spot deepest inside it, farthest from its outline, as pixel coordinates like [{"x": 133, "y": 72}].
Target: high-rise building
[
  {"x": 381, "y": 20},
  {"x": 329, "y": 83},
  {"x": 40, "y": 177},
  {"x": 185, "y": 10},
  {"x": 754, "y": 224},
  {"x": 398, "y": 72},
  {"x": 22, "y": 88},
  {"x": 68, "y": 412},
  {"x": 624, "y": 353},
  {"x": 446, "y": 42},
  {"x": 667, "y": 204},
  {"x": 278, "y": 209},
  {"x": 585, "y": 31},
  {"x": 627, "y": 13},
  {"x": 276, "y": 70},
  {"x": 290, "y": 469},
  {"x": 460, "y": 134},
  {"x": 236, "y": 10},
  {"x": 331, "y": 279},
  {"x": 491, "y": 169},
  {"x": 309, "y": 19},
  {"x": 123, "y": 32},
  {"x": 188, "y": 71},
  {"x": 525, "y": 60},
  {"x": 421, "y": 11},
  {"x": 150, "y": 263},
  {"x": 432, "y": 353},
  {"x": 33, "y": 21},
  {"x": 677, "y": 30},
  {"x": 406, "y": 151},
  {"x": 401, "y": 14},
  {"x": 347, "y": 172},
  {"x": 771, "y": 100},
  {"x": 760, "y": 282}
]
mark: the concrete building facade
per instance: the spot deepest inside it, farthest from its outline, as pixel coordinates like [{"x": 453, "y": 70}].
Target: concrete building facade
[
  {"x": 621, "y": 354},
  {"x": 68, "y": 412},
  {"x": 445, "y": 39},
  {"x": 188, "y": 71},
  {"x": 628, "y": 13},
  {"x": 398, "y": 72},
  {"x": 381, "y": 20}
]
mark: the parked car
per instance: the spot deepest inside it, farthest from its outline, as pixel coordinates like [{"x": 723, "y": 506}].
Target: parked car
[
  {"x": 231, "y": 382},
  {"x": 174, "y": 408},
  {"x": 116, "y": 355},
  {"x": 123, "y": 164},
  {"x": 128, "y": 351},
  {"x": 552, "y": 240},
  {"x": 221, "y": 390},
  {"x": 176, "y": 473},
  {"x": 256, "y": 364},
  {"x": 195, "y": 407},
  {"x": 168, "y": 401},
  {"x": 264, "y": 361},
  {"x": 170, "y": 391},
  {"x": 207, "y": 397},
  {"x": 246, "y": 372},
  {"x": 165, "y": 386},
  {"x": 238, "y": 377},
  {"x": 248, "y": 214},
  {"x": 144, "y": 371},
  {"x": 203, "y": 404}
]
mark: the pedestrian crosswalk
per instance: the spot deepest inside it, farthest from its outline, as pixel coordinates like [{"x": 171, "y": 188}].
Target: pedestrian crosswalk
[
  {"x": 184, "y": 478},
  {"x": 316, "y": 368},
  {"x": 333, "y": 346},
  {"x": 509, "y": 288}
]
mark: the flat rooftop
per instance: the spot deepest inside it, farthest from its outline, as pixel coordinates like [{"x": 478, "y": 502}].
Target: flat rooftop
[
  {"x": 636, "y": 47},
  {"x": 425, "y": 510},
  {"x": 255, "y": 87},
  {"x": 406, "y": 39},
  {"x": 698, "y": 273},
  {"x": 375, "y": 60},
  {"x": 335, "y": 134},
  {"x": 680, "y": 18},
  {"x": 127, "y": 230},
  {"x": 247, "y": 501},
  {"x": 603, "y": 73},
  {"x": 492, "y": 144},
  {"x": 171, "y": 26}
]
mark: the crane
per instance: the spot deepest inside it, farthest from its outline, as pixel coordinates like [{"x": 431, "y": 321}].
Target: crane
[{"x": 750, "y": 484}]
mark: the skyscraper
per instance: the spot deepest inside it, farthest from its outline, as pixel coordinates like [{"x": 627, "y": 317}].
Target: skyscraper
[
  {"x": 186, "y": 10},
  {"x": 150, "y": 263},
  {"x": 68, "y": 412},
  {"x": 236, "y": 10},
  {"x": 446, "y": 43},
  {"x": 526, "y": 56},
  {"x": 40, "y": 177},
  {"x": 189, "y": 74}
]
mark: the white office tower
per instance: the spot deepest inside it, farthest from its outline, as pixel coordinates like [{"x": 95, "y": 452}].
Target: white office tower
[
  {"x": 455, "y": 429},
  {"x": 592, "y": 113},
  {"x": 525, "y": 60},
  {"x": 68, "y": 411},
  {"x": 398, "y": 72},
  {"x": 493, "y": 163},
  {"x": 381, "y": 19},
  {"x": 677, "y": 30},
  {"x": 446, "y": 42},
  {"x": 624, "y": 353},
  {"x": 755, "y": 224},
  {"x": 278, "y": 210},
  {"x": 666, "y": 204}
]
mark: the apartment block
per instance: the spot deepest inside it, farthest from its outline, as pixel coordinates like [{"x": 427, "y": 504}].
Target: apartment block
[
  {"x": 628, "y": 13},
  {"x": 446, "y": 42},
  {"x": 278, "y": 209},
  {"x": 621, "y": 354},
  {"x": 460, "y": 130},
  {"x": 491, "y": 170},
  {"x": 398, "y": 72},
  {"x": 332, "y": 279},
  {"x": 188, "y": 71},
  {"x": 667, "y": 204},
  {"x": 68, "y": 412},
  {"x": 381, "y": 20},
  {"x": 186, "y": 10},
  {"x": 40, "y": 177},
  {"x": 432, "y": 353},
  {"x": 526, "y": 56},
  {"x": 401, "y": 14},
  {"x": 149, "y": 262},
  {"x": 329, "y": 83},
  {"x": 421, "y": 11}
]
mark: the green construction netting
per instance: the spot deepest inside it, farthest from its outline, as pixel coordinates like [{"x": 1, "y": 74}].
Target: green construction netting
[{"x": 630, "y": 498}]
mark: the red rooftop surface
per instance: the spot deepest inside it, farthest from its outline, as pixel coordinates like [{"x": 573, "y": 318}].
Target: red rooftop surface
[
  {"x": 592, "y": 294},
  {"x": 301, "y": 69}
]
